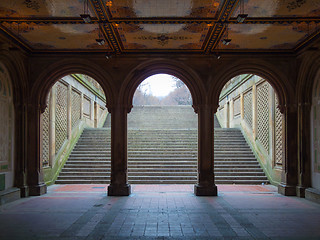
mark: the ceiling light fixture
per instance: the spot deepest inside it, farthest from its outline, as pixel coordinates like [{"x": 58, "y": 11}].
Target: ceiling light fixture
[
  {"x": 108, "y": 55},
  {"x": 241, "y": 16},
  {"x": 85, "y": 16},
  {"x": 226, "y": 41},
  {"x": 100, "y": 40}
]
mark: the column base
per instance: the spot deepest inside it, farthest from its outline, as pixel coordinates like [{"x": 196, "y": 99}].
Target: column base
[
  {"x": 287, "y": 190},
  {"x": 37, "y": 190},
  {"x": 205, "y": 190},
  {"x": 119, "y": 190},
  {"x": 300, "y": 191}
]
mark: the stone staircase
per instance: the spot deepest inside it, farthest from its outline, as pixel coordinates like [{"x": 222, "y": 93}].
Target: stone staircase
[{"x": 162, "y": 148}]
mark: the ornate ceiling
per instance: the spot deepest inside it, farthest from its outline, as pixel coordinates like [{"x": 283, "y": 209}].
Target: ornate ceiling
[{"x": 160, "y": 25}]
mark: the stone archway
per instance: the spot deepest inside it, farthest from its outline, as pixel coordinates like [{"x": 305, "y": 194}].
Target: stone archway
[
  {"x": 286, "y": 105},
  {"x": 119, "y": 175},
  {"x": 37, "y": 104}
]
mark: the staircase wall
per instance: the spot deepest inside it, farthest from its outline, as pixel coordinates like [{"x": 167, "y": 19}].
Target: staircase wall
[
  {"x": 249, "y": 103},
  {"x": 72, "y": 106}
]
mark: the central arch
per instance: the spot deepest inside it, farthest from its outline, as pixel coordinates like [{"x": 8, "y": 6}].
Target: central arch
[{"x": 172, "y": 67}]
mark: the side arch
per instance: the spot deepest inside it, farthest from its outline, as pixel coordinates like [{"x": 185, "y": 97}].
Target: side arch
[
  {"x": 308, "y": 71},
  {"x": 149, "y": 68},
  {"x": 278, "y": 80},
  {"x": 49, "y": 76}
]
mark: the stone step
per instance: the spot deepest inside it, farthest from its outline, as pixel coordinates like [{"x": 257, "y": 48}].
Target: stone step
[
  {"x": 243, "y": 181},
  {"x": 81, "y": 181},
  {"x": 87, "y": 165},
  {"x": 84, "y": 174},
  {"x": 75, "y": 169},
  {"x": 241, "y": 178},
  {"x": 161, "y": 174},
  {"x": 167, "y": 154},
  {"x": 162, "y": 169},
  {"x": 236, "y": 163},
  {"x": 233, "y": 174}
]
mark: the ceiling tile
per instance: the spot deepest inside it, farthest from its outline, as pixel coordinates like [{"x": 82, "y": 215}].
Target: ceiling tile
[
  {"x": 58, "y": 36},
  {"x": 162, "y": 8},
  {"x": 280, "y": 8},
  {"x": 41, "y": 8},
  {"x": 162, "y": 36},
  {"x": 266, "y": 36}
]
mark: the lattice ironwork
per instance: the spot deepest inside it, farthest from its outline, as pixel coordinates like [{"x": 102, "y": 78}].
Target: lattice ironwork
[
  {"x": 86, "y": 107},
  {"x": 61, "y": 115},
  {"x": 247, "y": 107},
  {"x": 278, "y": 134},
  {"x": 263, "y": 114},
  {"x": 75, "y": 107},
  {"x": 236, "y": 107},
  {"x": 45, "y": 135}
]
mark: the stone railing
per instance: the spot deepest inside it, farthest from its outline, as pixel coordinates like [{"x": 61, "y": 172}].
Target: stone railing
[
  {"x": 250, "y": 103},
  {"x": 72, "y": 105}
]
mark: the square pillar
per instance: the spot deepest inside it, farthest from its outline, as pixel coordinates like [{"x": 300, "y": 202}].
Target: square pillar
[
  {"x": 206, "y": 185},
  {"x": 35, "y": 182},
  {"x": 119, "y": 156},
  {"x": 304, "y": 156},
  {"x": 288, "y": 183}
]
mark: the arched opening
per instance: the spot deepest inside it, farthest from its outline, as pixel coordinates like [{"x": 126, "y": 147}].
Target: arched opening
[
  {"x": 75, "y": 140},
  {"x": 6, "y": 130},
  {"x": 315, "y": 134},
  {"x": 162, "y": 133},
  {"x": 252, "y": 124}
]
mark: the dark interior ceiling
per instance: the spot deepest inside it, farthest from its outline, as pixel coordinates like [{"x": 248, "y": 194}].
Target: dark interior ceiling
[{"x": 160, "y": 25}]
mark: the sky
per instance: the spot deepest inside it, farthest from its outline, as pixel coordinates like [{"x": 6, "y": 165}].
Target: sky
[{"x": 159, "y": 85}]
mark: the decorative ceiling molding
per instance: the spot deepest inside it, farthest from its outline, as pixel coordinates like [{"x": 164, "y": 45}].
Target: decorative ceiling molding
[
  {"x": 108, "y": 30},
  {"x": 218, "y": 29},
  {"x": 215, "y": 27}
]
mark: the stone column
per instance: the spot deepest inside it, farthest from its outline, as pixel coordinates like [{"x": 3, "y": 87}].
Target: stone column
[
  {"x": 206, "y": 185},
  {"x": 241, "y": 105},
  {"x": 288, "y": 183},
  {"x": 92, "y": 111},
  {"x": 36, "y": 185},
  {"x": 69, "y": 124},
  {"x": 304, "y": 156},
  {"x": 96, "y": 109},
  {"x": 119, "y": 157},
  {"x": 20, "y": 166},
  {"x": 81, "y": 106}
]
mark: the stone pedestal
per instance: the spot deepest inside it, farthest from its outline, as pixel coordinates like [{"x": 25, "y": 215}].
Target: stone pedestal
[
  {"x": 119, "y": 190},
  {"x": 289, "y": 175},
  {"x": 205, "y": 190}
]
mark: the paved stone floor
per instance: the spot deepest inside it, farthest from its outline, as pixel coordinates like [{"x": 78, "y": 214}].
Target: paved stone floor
[{"x": 160, "y": 212}]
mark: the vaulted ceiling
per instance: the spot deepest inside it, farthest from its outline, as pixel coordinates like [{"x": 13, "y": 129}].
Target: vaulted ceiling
[{"x": 160, "y": 25}]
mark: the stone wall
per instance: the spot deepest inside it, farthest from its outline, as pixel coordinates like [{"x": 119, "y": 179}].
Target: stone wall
[
  {"x": 250, "y": 103},
  {"x": 72, "y": 105},
  {"x": 6, "y": 130},
  {"x": 315, "y": 135}
]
